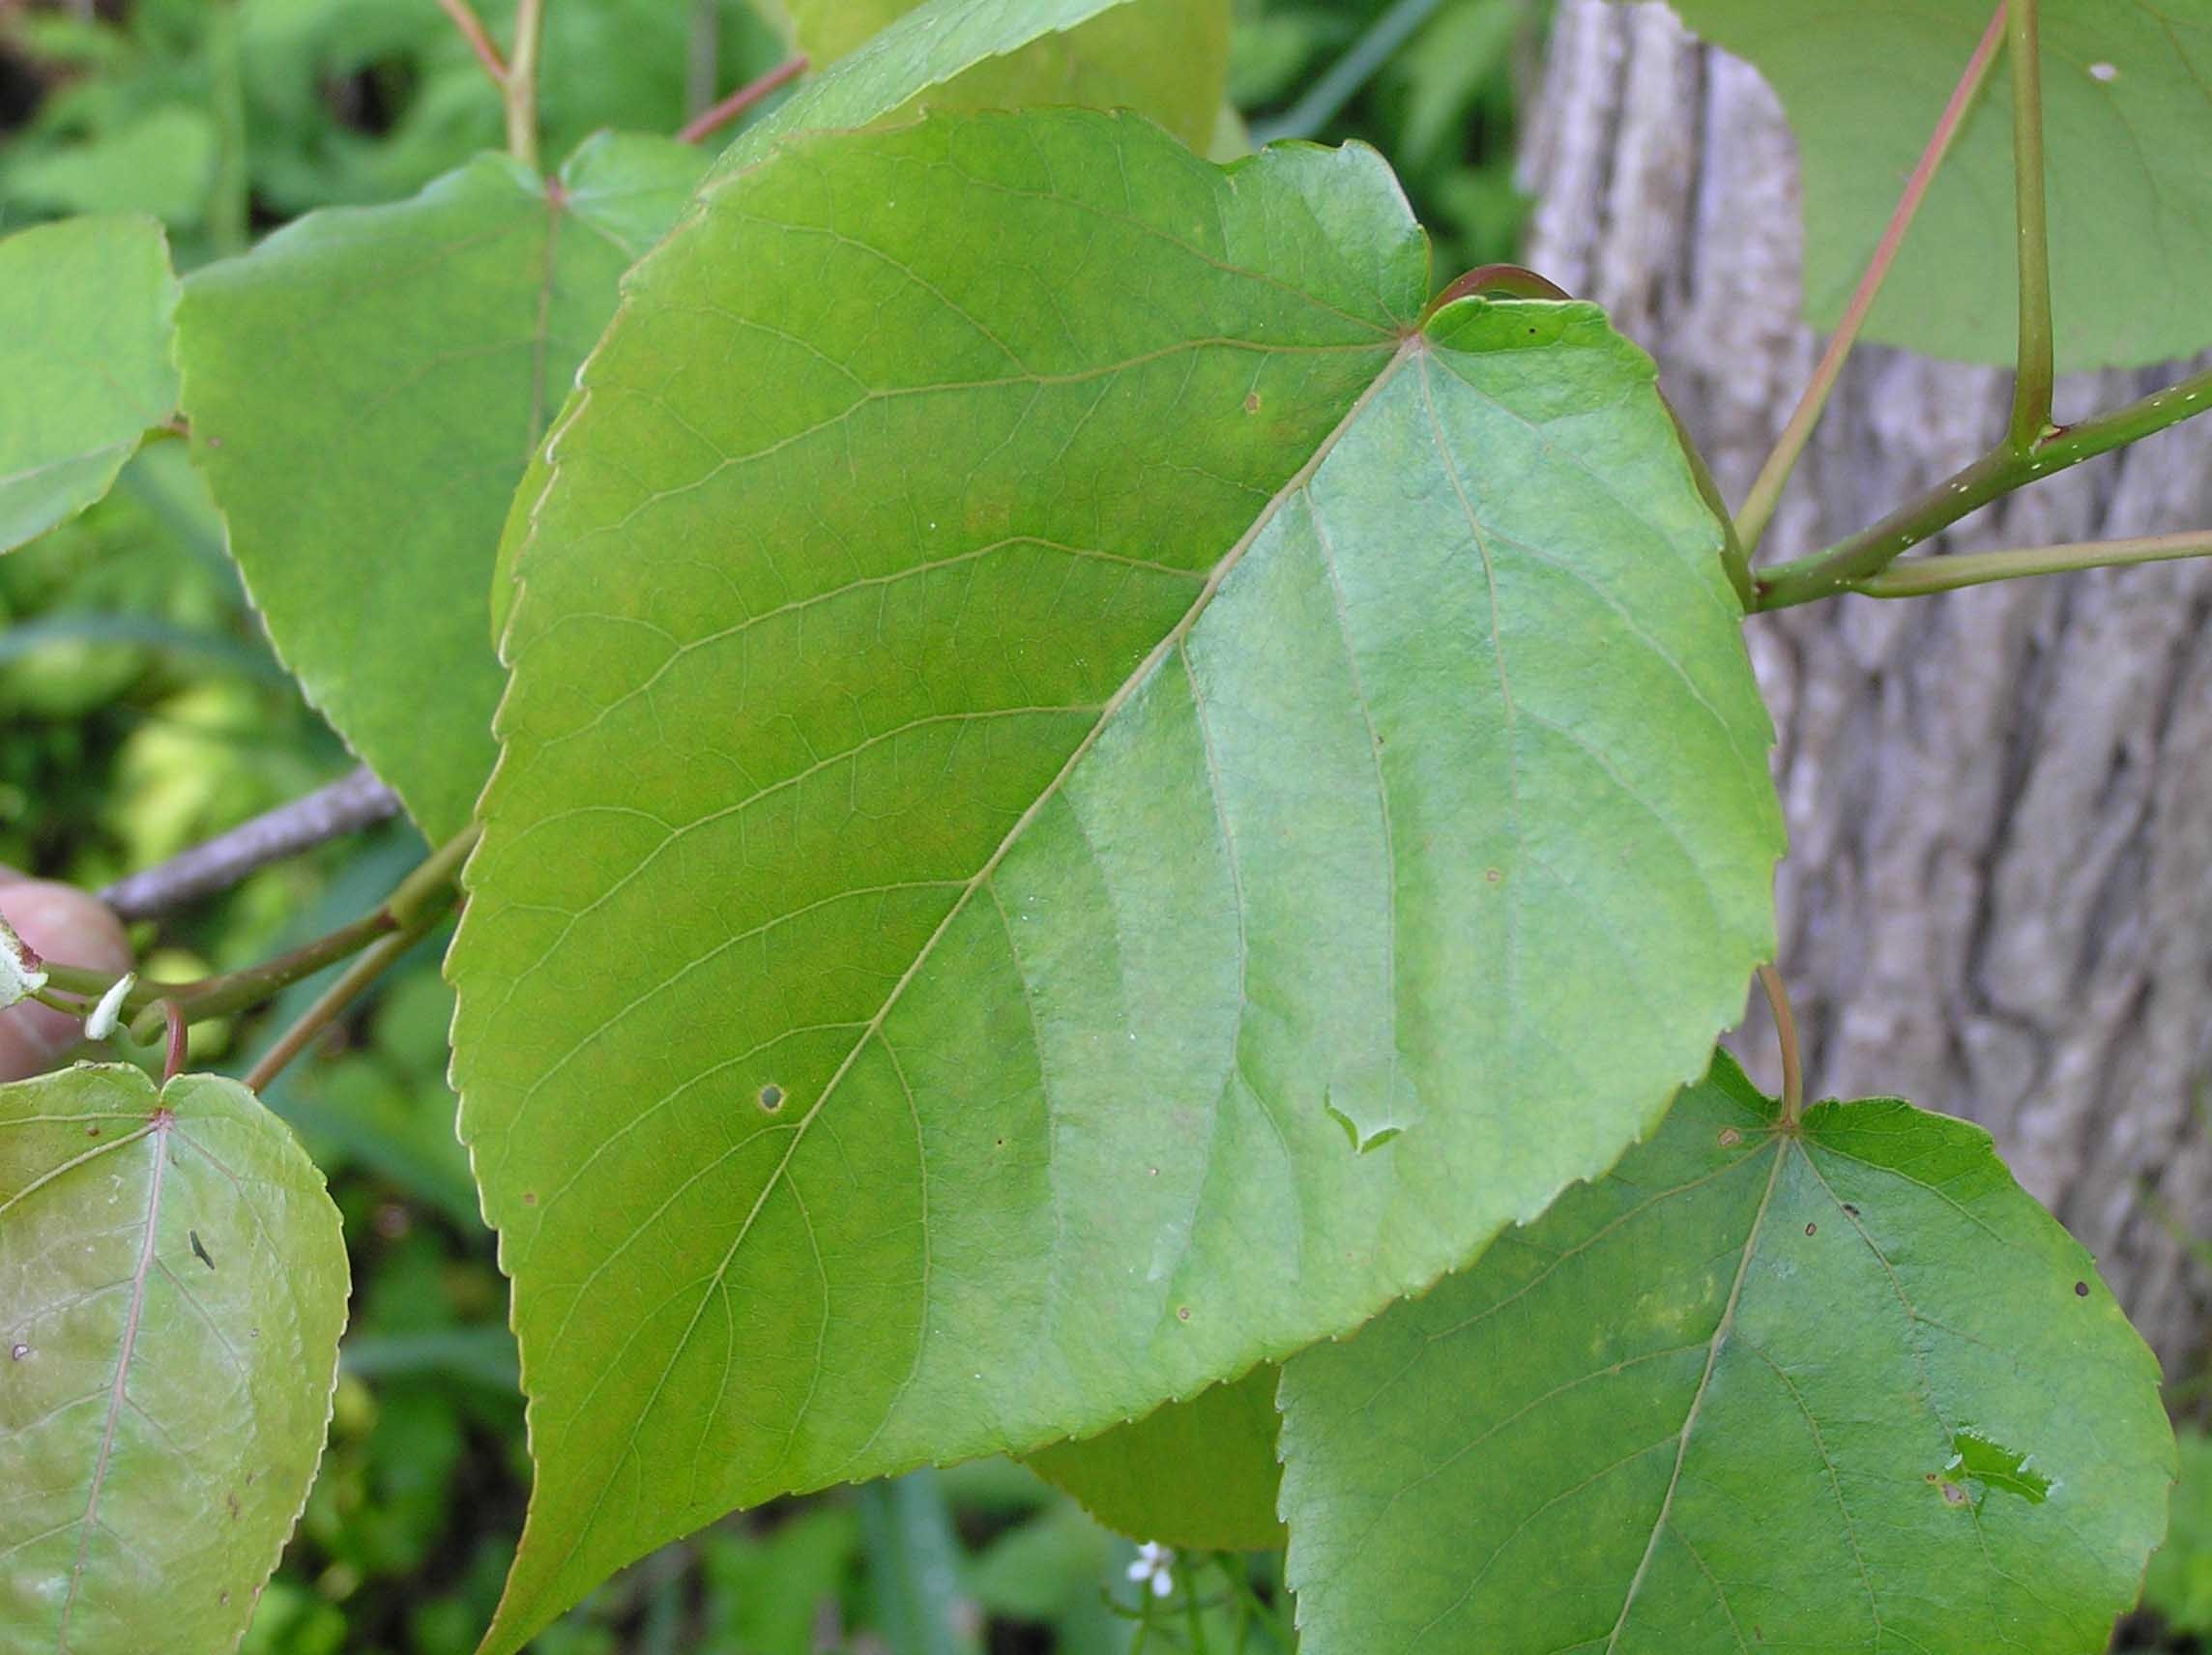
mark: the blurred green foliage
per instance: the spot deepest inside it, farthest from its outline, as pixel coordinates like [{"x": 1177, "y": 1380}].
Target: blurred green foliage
[{"x": 141, "y": 712}]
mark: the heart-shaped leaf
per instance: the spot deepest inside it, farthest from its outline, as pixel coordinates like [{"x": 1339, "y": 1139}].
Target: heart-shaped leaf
[
  {"x": 365, "y": 388},
  {"x": 2127, "y": 117},
  {"x": 85, "y": 312},
  {"x": 1086, "y": 798},
  {"x": 172, "y": 1287},
  {"x": 1838, "y": 1387}
]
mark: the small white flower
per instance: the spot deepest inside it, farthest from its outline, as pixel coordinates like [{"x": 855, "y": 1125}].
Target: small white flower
[
  {"x": 104, "y": 1016},
  {"x": 1154, "y": 1563}
]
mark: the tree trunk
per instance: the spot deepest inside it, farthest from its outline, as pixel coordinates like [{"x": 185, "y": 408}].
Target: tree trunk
[{"x": 1998, "y": 896}]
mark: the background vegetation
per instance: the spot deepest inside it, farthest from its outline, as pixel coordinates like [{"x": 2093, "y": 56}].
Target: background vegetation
[{"x": 141, "y": 712}]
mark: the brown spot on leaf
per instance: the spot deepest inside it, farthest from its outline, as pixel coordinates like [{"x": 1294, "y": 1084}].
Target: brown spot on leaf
[
  {"x": 1183, "y": 1313},
  {"x": 1729, "y": 1137},
  {"x": 1849, "y": 1208},
  {"x": 1811, "y": 1228},
  {"x": 2081, "y": 1290},
  {"x": 1251, "y": 402},
  {"x": 529, "y": 1198},
  {"x": 1492, "y": 875}
]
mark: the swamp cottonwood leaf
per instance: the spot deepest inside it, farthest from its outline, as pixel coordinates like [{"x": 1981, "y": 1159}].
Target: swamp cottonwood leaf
[
  {"x": 1198, "y": 1474},
  {"x": 172, "y": 1287},
  {"x": 2127, "y": 93},
  {"x": 365, "y": 388},
  {"x": 1844, "y": 1388},
  {"x": 1085, "y": 800},
  {"x": 86, "y": 307}
]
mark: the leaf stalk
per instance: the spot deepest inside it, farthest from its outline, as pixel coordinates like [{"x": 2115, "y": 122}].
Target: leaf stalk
[
  {"x": 2037, "y": 376},
  {"x": 1922, "y": 575},
  {"x": 519, "y": 83},
  {"x": 422, "y": 896},
  {"x": 480, "y": 40},
  {"x": 1786, "y": 1035},
  {"x": 714, "y": 118},
  {"x": 1759, "y": 506}
]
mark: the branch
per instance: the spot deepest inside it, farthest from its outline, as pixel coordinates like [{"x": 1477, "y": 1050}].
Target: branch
[
  {"x": 345, "y": 806},
  {"x": 1766, "y": 490},
  {"x": 1924, "y": 575},
  {"x": 2037, "y": 377},
  {"x": 1850, "y": 564},
  {"x": 712, "y": 119},
  {"x": 479, "y": 37}
]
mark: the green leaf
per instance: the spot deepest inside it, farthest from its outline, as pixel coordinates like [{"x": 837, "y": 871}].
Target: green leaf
[
  {"x": 1048, "y": 714},
  {"x": 1841, "y": 1388},
  {"x": 1168, "y": 59},
  {"x": 1198, "y": 1475},
  {"x": 978, "y": 47},
  {"x": 172, "y": 1286},
  {"x": 2127, "y": 116},
  {"x": 85, "y": 314},
  {"x": 365, "y": 388}
]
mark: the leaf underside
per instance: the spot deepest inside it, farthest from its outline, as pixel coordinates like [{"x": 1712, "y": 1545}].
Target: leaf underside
[
  {"x": 1846, "y": 1390},
  {"x": 85, "y": 312},
  {"x": 172, "y": 1287},
  {"x": 1064, "y": 759},
  {"x": 1166, "y": 59},
  {"x": 365, "y": 388},
  {"x": 1198, "y": 1474},
  {"x": 2127, "y": 96}
]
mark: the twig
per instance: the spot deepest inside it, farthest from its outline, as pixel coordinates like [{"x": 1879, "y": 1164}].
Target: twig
[
  {"x": 2037, "y": 377},
  {"x": 479, "y": 37},
  {"x": 331, "y": 1003},
  {"x": 1848, "y": 565},
  {"x": 1766, "y": 490},
  {"x": 712, "y": 119},
  {"x": 345, "y": 806},
  {"x": 1919, "y": 576}
]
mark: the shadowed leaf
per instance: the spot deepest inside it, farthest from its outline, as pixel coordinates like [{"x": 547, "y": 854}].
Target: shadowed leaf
[
  {"x": 1846, "y": 1389},
  {"x": 2127, "y": 95},
  {"x": 85, "y": 312},
  {"x": 365, "y": 388}
]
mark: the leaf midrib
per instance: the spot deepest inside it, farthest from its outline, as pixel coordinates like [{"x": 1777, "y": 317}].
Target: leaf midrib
[
  {"x": 1688, "y": 1424},
  {"x": 142, "y": 1272}
]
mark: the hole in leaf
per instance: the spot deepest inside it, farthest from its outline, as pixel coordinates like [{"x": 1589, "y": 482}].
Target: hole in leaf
[
  {"x": 772, "y": 1097},
  {"x": 2081, "y": 1290}
]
